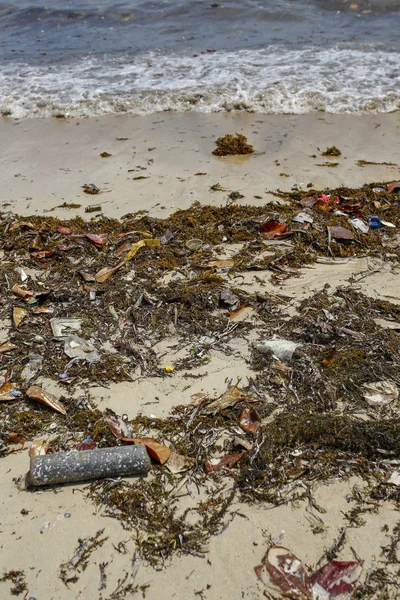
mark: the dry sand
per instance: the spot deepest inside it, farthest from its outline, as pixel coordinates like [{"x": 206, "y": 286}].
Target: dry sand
[{"x": 45, "y": 163}]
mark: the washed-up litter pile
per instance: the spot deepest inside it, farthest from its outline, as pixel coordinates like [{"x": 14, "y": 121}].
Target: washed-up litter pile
[{"x": 87, "y": 302}]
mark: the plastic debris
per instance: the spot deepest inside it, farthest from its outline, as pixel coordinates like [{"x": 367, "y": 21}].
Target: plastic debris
[
  {"x": 33, "y": 368},
  {"x": 63, "y": 327},
  {"x": 169, "y": 369},
  {"x": 35, "y": 392},
  {"x": 359, "y": 225},
  {"x": 281, "y": 349},
  {"x": 336, "y": 578},
  {"x": 194, "y": 244},
  {"x": 380, "y": 393},
  {"x": 62, "y": 467},
  {"x": 90, "y": 188},
  {"x": 286, "y": 573},
  {"x": 374, "y": 222},
  {"x": 303, "y": 217},
  {"x": 76, "y": 347}
]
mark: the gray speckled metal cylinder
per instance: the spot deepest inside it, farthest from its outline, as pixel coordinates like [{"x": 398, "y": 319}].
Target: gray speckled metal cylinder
[{"x": 63, "y": 467}]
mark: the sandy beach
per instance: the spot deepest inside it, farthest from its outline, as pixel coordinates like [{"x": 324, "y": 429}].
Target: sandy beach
[{"x": 161, "y": 163}]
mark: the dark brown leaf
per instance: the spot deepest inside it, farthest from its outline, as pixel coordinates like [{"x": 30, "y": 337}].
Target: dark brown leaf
[{"x": 341, "y": 233}]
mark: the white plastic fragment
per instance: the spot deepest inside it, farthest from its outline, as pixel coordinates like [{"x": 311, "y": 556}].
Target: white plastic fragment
[
  {"x": 282, "y": 349},
  {"x": 64, "y": 327},
  {"x": 360, "y": 225},
  {"x": 76, "y": 347}
]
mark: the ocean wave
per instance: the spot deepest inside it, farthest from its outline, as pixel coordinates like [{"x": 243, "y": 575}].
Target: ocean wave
[{"x": 271, "y": 80}]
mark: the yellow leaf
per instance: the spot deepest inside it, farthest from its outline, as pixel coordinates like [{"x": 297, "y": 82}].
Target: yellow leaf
[{"x": 140, "y": 244}]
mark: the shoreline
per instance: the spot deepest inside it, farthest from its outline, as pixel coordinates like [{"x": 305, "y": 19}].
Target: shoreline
[{"x": 46, "y": 162}]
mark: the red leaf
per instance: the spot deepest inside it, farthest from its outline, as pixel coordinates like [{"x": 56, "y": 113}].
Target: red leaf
[
  {"x": 341, "y": 233},
  {"x": 249, "y": 420},
  {"x": 227, "y": 462},
  {"x": 337, "y": 577},
  {"x": 272, "y": 229},
  {"x": 98, "y": 239}
]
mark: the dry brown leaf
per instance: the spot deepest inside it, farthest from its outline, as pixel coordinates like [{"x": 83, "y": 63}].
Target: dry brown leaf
[
  {"x": 393, "y": 187},
  {"x": 221, "y": 264},
  {"x": 18, "y": 315},
  {"x": 22, "y": 292},
  {"x": 229, "y": 398},
  {"x": 6, "y": 347},
  {"x": 35, "y": 392},
  {"x": 16, "y": 438},
  {"x": 21, "y": 224},
  {"x": 88, "y": 277},
  {"x": 38, "y": 448},
  {"x": 43, "y": 253},
  {"x": 47, "y": 310},
  {"x": 226, "y": 462},
  {"x": 249, "y": 420},
  {"x": 158, "y": 451},
  {"x": 5, "y": 392},
  {"x": 177, "y": 463},
  {"x": 107, "y": 272},
  {"x": 241, "y": 314}
]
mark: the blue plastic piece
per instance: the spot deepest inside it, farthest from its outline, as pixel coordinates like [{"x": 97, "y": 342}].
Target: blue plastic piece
[{"x": 374, "y": 222}]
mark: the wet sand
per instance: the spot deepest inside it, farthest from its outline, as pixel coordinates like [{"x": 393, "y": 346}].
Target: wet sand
[{"x": 45, "y": 163}]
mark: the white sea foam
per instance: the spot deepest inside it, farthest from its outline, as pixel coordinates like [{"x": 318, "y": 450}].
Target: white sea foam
[{"x": 272, "y": 80}]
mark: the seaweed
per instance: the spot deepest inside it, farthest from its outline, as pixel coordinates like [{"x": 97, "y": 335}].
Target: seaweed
[
  {"x": 17, "y": 578},
  {"x": 232, "y": 145},
  {"x": 70, "y": 571},
  {"x": 332, "y": 151}
]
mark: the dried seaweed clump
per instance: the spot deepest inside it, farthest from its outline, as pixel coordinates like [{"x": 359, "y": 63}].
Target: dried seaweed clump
[
  {"x": 332, "y": 151},
  {"x": 232, "y": 145}
]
